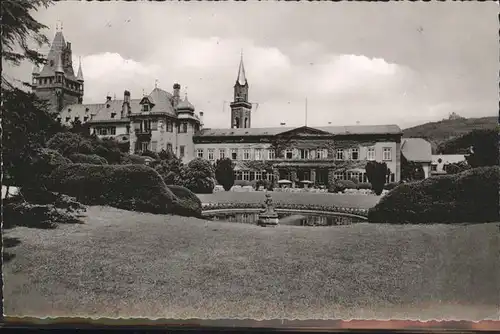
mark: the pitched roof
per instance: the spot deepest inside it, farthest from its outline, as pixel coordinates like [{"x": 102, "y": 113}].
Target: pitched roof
[
  {"x": 162, "y": 101},
  {"x": 335, "y": 130},
  {"x": 416, "y": 149},
  {"x": 54, "y": 59},
  {"x": 79, "y": 76}
]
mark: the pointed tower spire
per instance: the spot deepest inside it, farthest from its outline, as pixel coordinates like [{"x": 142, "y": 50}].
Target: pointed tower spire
[
  {"x": 79, "y": 76},
  {"x": 242, "y": 79}
]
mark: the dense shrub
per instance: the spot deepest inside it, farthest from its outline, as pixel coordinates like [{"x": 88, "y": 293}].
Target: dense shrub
[
  {"x": 470, "y": 196},
  {"x": 341, "y": 186},
  {"x": 88, "y": 159},
  {"x": 186, "y": 203},
  {"x": 364, "y": 185},
  {"x": 171, "y": 170},
  {"x": 129, "y": 187},
  {"x": 243, "y": 183},
  {"x": 457, "y": 167},
  {"x": 151, "y": 154},
  {"x": 108, "y": 148},
  {"x": 132, "y": 159},
  {"x": 42, "y": 163},
  {"x": 391, "y": 185},
  {"x": 376, "y": 173},
  {"x": 198, "y": 176},
  {"x": 68, "y": 143},
  {"x": 268, "y": 185},
  {"x": 224, "y": 173},
  {"x": 44, "y": 216}
]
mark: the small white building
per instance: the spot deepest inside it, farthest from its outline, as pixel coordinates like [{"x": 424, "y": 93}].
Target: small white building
[{"x": 440, "y": 161}]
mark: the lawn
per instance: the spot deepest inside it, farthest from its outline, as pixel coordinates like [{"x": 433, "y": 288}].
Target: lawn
[
  {"x": 346, "y": 201},
  {"x": 127, "y": 264}
]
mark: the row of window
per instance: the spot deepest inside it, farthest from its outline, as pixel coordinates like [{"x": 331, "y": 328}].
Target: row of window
[
  {"x": 152, "y": 125},
  {"x": 106, "y": 130},
  {"x": 246, "y": 175},
  {"x": 304, "y": 154},
  {"x": 58, "y": 79},
  {"x": 76, "y": 119}
]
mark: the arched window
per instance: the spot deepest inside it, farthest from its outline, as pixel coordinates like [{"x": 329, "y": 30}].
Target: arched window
[
  {"x": 246, "y": 122},
  {"x": 236, "y": 122}
]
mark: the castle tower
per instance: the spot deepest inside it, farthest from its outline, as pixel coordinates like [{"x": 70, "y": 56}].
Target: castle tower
[
  {"x": 240, "y": 107},
  {"x": 56, "y": 82}
]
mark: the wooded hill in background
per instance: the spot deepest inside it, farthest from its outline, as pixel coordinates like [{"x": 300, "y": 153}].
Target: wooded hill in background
[{"x": 439, "y": 132}]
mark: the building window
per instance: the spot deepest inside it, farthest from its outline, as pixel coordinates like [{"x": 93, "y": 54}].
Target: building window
[
  {"x": 128, "y": 128},
  {"x": 371, "y": 153},
  {"x": 169, "y": 147},
  {"x": 183, "y": 128},
  {"x": 387, "y": 153},
  {"x": 354, "y": 154},
  {"x": 289, "y": 154},
  {"x": 77, "y": 118},
  {"x": 222, "y": 153},
  {"x": 211, "y": 154},
  {"x": 144, "y": 146},
  {"x": 304, "y": 153},
  {"x": 339, "y": 154},
  {"x": 321, "y": 153},
  {"x": 181, "y": 151},
  {"x": 199, "y": 153},
  {"x": 170, "y": 126},
  {"x": 68, "y": 119},
  {"x": 258, "y": 175},
  {"x": 154, "y": 125},
  {"x": 105, "y": 131},
  {"x": 238, "y": 175},
  {"x": 234, "y": 154},
  {"x": 271, "y": 154},
  {"x": 113, "y": 115},
  {"x": 434, "y": 168},
  {"x": 145, "y": 107},
  {"x": 246, "y": 175},
  {"x": 258, "y": 154},
  {"x": 246, "y": 154},
  {"x": 339, "y": 175}
]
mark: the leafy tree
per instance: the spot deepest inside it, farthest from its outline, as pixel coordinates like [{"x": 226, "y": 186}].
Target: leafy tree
[
  {"x": 376, "y": 172},
  {"x": 18, "y": 29},
  {"x": 198, "y": 176},
  {"x": 26, "y": 126},
  {"x": 68, "y": 143},
  {"x": 457, "y": 167},
  {"x": 484, "y": 148},
  {"x": 170, "y": 168},
  {"x": 224, "y": 173},
  {"x": 410, "y": 170}
]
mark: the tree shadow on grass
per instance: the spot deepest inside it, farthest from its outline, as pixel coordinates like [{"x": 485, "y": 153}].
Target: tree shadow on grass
[{"x": 8, "y": 242}]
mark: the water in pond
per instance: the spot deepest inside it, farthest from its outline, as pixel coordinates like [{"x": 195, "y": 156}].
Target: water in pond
[{"x": 285, "y": 218}]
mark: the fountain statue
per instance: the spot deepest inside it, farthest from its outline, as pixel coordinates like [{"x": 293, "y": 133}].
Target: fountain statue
[{"x": 268, "y": 216}]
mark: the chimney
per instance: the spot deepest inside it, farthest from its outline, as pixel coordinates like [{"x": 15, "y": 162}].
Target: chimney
[
  {"x": 126, "y": 104},
  {"x": 201, "y": 119},
  {"x": 177, "y": 89}
]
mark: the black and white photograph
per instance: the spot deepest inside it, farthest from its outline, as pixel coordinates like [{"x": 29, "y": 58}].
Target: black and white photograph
[{"x": 254, "y": 160}]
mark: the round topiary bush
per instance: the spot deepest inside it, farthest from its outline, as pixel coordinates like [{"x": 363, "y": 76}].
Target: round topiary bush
[
  {"x": 186, "y": 203},
  {"x": 129, "y": 187},
  {"x": 467, "y": 197},
  {"x": 88, "y": 159}
]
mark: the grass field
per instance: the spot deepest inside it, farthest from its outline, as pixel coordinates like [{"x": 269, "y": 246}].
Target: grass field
[
  {"x": 127, "y": 264},
  {"x": 347, "y": 201}
]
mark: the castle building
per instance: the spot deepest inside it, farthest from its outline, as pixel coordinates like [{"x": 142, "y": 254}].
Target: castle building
[
  {"x": 299, "y": 156},
  {"x": 56, "y": 81}
]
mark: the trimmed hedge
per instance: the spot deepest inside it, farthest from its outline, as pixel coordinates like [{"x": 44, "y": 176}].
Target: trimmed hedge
[
  {"x": 467, "y": 197},
  {"x": 88, "y": 159},
  {"x": 391, "y": 185},
  {"x": 186, "y": 203},
  {"x": 129, "y": 187},
  {"x": 132, "y": 159}
]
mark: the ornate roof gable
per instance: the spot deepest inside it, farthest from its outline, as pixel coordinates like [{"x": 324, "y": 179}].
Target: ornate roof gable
[{"x": 304, "y": 131}]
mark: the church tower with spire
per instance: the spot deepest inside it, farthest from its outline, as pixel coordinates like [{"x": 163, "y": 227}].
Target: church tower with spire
[
  {"x": 240, "y": 107},
  {"x": 56, "y": 81}
]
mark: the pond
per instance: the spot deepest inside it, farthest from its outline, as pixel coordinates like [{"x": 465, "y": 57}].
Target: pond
[{"x": 285, "y": 218}]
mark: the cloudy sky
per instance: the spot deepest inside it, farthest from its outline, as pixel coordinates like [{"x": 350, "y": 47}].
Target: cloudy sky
[{"x": 373, "y": 63}]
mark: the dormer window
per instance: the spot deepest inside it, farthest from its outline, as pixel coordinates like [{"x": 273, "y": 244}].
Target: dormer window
[
  {"x": 86, "y": 109},
  {"x": 77, "y": 119},
  {"x": 69, "y": 109},
  {"x": 145, "y": 107},
  {"x": 107, "y": 105},
  {"x": 113, "y": 115},
  {"x": 67, "y": 119},
  {"x": 85, "y": 118}
]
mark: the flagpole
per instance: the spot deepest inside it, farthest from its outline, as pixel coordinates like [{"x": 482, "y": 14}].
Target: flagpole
[{"x": 306, "y": 111}]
